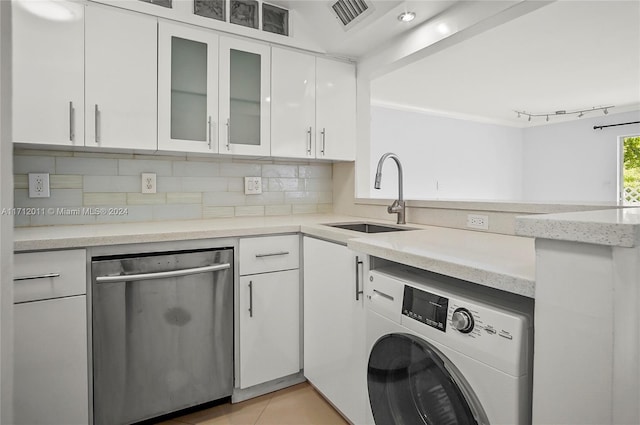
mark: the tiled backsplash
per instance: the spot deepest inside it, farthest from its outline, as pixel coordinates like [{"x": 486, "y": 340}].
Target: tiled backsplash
[{"x": 89, "y": 188}]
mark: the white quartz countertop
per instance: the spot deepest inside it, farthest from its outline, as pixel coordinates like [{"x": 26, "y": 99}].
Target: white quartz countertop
[
  {"x": 613, "y": 227},
  {"x": 497, "y": 261}
]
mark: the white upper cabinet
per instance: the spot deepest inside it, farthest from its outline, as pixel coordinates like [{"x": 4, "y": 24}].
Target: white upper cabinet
[
  {"x": 245, "y": 90},
  {"x": 313, "y": 107},
  {"x": 48, "y": 75},
  {"x": 187, "y": 89},
  {"x": 335, "y": 110},
  {"x": 121, "y": 79},
  {"x": 293, "y": 104}
]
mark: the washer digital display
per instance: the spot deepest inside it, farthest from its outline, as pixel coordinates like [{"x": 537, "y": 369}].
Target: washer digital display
[{"x": 425, "y": 307}]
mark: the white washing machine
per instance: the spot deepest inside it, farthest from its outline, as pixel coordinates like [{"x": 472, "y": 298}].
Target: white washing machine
[{"x": 443, "y": 352}]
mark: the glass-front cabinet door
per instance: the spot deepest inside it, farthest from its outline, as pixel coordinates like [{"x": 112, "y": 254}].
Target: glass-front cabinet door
[
  {"x": 245, "y": 90},
  {"x": 187, "y": 89}
]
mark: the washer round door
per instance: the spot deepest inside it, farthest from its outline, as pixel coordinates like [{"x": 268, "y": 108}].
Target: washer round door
[{"x": 412, "y": 382}]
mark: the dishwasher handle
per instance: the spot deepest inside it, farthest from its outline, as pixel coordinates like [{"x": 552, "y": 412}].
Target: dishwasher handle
[{"x": 162, "y": 275}]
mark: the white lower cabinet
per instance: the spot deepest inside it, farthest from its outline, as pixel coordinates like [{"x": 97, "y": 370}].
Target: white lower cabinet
[
  {"x": 335, "y": 358},
  {"x": 269, "y": 309},
  {"x": 50, "y": 339},
  {"x": 269, "y": 326}
]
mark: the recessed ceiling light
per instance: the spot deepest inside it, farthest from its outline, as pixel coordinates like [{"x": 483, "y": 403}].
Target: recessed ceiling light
[{"x": 406, "y": 16}]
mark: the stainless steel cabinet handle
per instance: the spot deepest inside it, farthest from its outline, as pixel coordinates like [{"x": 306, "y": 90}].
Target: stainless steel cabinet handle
[
  {"x": 309, "y": 140},
  {"x": 272, "y": 254},
  {"x": 33, "y": 277},
  {"x": 209, "y": 131},
  {"x": 97, "y": 124},
  {"x": 358, "y": 264},
  {"x": 72, "y": 120},
  {"x": 162, "y": 275},
  {"x": 228, "y": 133},
  {"x": 323, "y": 133},
  {"x": 383, "y": 295},
  {"x": 250, "y": 298}
]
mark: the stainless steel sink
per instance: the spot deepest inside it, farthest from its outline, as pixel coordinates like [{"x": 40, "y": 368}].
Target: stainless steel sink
[{"x": 368, "y": 227}]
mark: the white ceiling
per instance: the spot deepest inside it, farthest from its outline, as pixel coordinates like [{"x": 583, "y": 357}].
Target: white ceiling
[
  {"x": 316, "y": 18},
  {"x": 567, "y": 55}
]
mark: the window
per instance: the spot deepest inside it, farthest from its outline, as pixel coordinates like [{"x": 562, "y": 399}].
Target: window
[{"x": 630, "y": 170}]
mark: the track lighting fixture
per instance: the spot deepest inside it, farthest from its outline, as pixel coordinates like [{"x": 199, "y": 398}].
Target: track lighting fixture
[{"x": 579, "y": 112}]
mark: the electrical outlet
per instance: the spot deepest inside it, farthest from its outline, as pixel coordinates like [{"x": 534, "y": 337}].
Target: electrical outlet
[
  {"x": 148, "y": 182},
  {"x": 39, "y": 185},
  {"x": 477, "y": 221},
  {"x": 252, "y": 185}
]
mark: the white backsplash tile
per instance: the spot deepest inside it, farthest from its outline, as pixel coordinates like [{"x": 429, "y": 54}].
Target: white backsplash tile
[
  {"x": 184, "y": 198},
  {"x": 34, "y": 164},
  {"x": 250, "y": 211},
  {"x": 223, "y": 198},
  {"x": 146, "y": 198},
  {"x": 65, "y": 181},
  {"x": 204, "y": 184},
  {"x": 305, "y": 208},
  {"x": 284, "y": 184},
  {"x": 58, "y": 198},
  {"x": 135, "y": 167},
  {"x": 265, "y": 198},
  {"x": 217, "y": 212},
  {"x": 110, "y": 199},
  {"x": 234, "y": 169},
  {"x": 315, "y": 171},
  {"x": 188, "y": 187},
  {"x": 87, "y": 166},
  {"x": 128, "y": 214},
  {"x": 279, "y": 170},
  {"x": 196, "y": 169},
  {"x": 176, "y": 212},
  {"x": 301, "y": 197},
  {"x": 277, "y": 210},
  {"x": 112, "y": 183}
]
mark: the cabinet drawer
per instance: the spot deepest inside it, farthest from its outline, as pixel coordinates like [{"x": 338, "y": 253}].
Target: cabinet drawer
[
  {"x": 268, "y": 254},
  {"x": 51, "y": 274}
]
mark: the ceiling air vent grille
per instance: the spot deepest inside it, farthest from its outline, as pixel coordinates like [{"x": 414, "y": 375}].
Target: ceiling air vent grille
[{"x": 348, "y": 10}]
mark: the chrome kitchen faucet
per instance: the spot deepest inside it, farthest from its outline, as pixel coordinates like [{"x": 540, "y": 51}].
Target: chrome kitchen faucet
[{"x": 398, "y": 205}]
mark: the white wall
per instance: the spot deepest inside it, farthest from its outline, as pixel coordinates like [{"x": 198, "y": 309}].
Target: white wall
[
  {"x": 6, "y": 221},
  {"x": 446, "y": 158},
  {"x": 573, "y": 162}
]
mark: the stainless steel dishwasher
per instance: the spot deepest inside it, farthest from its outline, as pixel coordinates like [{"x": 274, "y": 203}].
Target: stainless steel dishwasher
[{"x": 162, "y": 326}]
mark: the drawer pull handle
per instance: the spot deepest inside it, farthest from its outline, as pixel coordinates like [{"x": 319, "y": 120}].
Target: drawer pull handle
[
  {"x": 39, "y": 276},
  {"x": 273, "y": 254},
  {"x": 383, "y": 295},
  {"x": 161, "y": 275}
]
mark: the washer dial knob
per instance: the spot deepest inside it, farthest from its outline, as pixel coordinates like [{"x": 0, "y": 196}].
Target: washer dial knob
[{"x": 462, "y": 320}]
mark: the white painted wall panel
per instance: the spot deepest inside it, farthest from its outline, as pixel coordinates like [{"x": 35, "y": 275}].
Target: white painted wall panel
[{"x": 446, "y": 158}]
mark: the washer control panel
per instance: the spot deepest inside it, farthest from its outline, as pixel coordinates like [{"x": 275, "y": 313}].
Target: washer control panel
[{"x": 425, "y": 307}]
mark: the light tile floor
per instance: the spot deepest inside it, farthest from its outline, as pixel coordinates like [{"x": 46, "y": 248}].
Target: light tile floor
[{"x": 297, "y": 405}]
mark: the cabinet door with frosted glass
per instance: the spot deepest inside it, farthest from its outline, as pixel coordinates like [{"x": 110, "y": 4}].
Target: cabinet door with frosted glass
[
  {"x": 187, "y": 89},
  {"x": 245, "y": 110}
]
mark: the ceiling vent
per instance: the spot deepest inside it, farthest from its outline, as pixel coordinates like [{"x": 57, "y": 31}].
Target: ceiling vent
[{"x": 350, "y": 12}]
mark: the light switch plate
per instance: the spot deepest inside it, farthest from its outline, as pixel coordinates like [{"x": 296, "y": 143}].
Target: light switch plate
[
  {"x": 39, "y": 185},
  {"x": 252, "y": 185}
]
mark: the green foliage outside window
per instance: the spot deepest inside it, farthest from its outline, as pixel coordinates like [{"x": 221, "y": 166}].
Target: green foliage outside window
[
  {"x": 631, "y": 173},
  {"x": 632, "y": 162}
]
